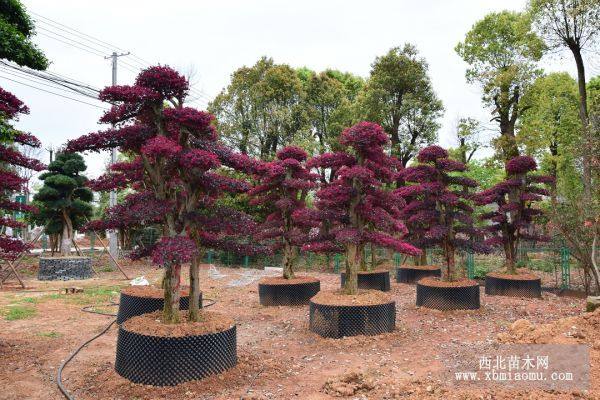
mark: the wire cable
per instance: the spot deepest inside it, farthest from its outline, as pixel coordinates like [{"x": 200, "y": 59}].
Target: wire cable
[
  {"x": 56, "y": 94},
  {"x": 88, "y": 309}
]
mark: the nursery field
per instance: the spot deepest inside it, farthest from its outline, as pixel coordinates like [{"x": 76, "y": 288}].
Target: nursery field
[{"x": 279, "y": 358}]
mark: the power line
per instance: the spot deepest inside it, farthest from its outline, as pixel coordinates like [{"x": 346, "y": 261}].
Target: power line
[
  {"x": 56, "y": 94},
  {"x": 29, "y": 79},
  {"x": 75, "y": 38}
]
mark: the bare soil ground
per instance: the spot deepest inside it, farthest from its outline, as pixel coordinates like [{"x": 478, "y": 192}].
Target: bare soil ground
[{"x": 278, "y": 357}]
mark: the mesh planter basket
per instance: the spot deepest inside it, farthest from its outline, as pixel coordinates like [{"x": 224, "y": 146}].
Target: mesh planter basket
[
  {"x": 464, "y": 297},
  {"x": 514, "y": 287},
  {"x": 132, "y": 305},
  {"x": 412, "y": 274},
  {"x": 288, "y": 294},
  {"x": 376, "y": 280},
  {"x": 168, "y": 361},
  {"x": 336, "y": 321},
  {"x": 64, "y": 268}
]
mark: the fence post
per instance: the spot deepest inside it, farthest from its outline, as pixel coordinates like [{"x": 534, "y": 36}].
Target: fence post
[
  {"x": 470, "y": 265},
  {"x": 246, "y": 261},
  {"x": 565, "y": 267},
  {"x": 336, "y": 268},
  {"x": 209, "y": 257},
  {"x": 397, "y": 260}
]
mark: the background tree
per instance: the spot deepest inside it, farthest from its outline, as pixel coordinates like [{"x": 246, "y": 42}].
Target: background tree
[
  {"x": 550, "y": 129},
  {"x": 501, "y": 51},
  {"x": 10, "y": 181},
  {"x": 365, "y": 211},
  {"x": 513, "y": 217},
  {"x": 283, "y": 187},
  {"x": 64, "y": 200},
  {"x": 438, "y": 212},
  {"x": 572, "y": 24},
  {"x": 175, "y": 169},
  {"x": 329, "y": 98},
  {"x": 399, "y": 96},
  {"x": 468, "y": 136},
  {"x": 16, "y": 30},
  {"x": 261, "y": 110}
]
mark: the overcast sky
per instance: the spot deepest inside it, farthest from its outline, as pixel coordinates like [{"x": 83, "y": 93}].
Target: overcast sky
[{"x": 215, "y": 38}]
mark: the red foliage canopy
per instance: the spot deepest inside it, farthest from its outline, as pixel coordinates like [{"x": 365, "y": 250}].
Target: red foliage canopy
[
  {"x": 10, "y": 181},
  {"x": 174, "y": 169},
  {"x": 355, "y": 208},
  {"x": 438, "y": 211},
  {"x": 513, "y": 217}
]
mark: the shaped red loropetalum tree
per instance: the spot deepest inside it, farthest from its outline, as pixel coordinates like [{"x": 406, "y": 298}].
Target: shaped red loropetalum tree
[
  {"x": 438, "y": 213},
  {"x": 513, "y": 215},
  {"x": 357, "y": 200},
  {"x": 283, "y": 185},
  {"x": 175, "y": 175},
  {"x": 10, "y": 181}
]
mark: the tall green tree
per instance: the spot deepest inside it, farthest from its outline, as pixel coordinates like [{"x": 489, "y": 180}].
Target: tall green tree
[
  {"x": 550, "y": 128},
  {"x": 501, "y": 51},
  {"x": 468, "y": 132},
  {"x": 573, "y": 25},
  {"x": 16, "y": 30},
  {"x": 399, "y": 96},
  {"x": 64, "y": 200},
  {"x": 329, "y": 97},
  {"x": 262, "y": 110}
]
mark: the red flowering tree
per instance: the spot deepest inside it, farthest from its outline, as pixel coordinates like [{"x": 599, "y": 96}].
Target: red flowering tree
[
  {"x": 175, "y": 173},
  {"x": 437, "y": 212},
  {"x": 283, "y": 185},
  {"x": 513, "y": 217},
  {"x": 10, "y": 181},
  {"x": 356, "y": 201}
]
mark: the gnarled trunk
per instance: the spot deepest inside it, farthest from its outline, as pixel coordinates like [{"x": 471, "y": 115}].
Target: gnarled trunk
[
  {"x": 171, "y": 283},
  {"x": 194, "y": 310},
  {"x": 352, "y": 265},
  {"x": 288, "y": 260}
]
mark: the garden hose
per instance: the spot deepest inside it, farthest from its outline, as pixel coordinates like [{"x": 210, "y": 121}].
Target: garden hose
[{"x": 88, "y": 309}]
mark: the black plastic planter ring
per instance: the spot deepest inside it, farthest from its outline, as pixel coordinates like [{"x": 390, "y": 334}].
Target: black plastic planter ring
[
  {"x": 288, "y": 294},
  {"x": 131, "y": 306},
  {"x": 448, "y": 298},
  {"x": 336, "y": 321},
  {"x": 501, "y": 286},
  {"x": 168, "y": 361},
  {"x": 413, "y": 275},
  {"x": 376, "y": 280}
]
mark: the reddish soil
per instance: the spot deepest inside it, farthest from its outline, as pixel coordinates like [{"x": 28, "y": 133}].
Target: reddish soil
[
  {"x": 514, "y": 277},
  {"x": 374, "y": 271},
  {"x": 437, "y": 282},
  {"x": 362, "y": 298},
  {"x": 421, "y": 267},
  {"x": 152, "y": 324},
  {"x": 278, "y": 280},
  {"x": 149, "y": 291},
  {"x": 279, "y": 358}
]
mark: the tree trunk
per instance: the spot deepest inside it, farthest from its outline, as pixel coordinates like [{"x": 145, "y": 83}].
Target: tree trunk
[
  {"x": 194, "y": 312},
  {"x": 584, "y": 117},
  {"x": 67, "y": 236},
  {"x": 352, "y": 264},
  {"x": 171, "y": 283},
  {"x": 288, "y": 260}
]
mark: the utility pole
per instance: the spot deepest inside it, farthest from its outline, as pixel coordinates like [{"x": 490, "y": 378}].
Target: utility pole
[{"x": 113, "y": 244}]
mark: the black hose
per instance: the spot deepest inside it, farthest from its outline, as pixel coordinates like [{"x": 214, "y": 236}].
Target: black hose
[
  {"x": 64, "y": 364},
  {"x": 88, "y": 309}
]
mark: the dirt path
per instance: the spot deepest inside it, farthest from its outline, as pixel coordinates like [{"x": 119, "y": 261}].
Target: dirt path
[{"x": 278, "y": 357}]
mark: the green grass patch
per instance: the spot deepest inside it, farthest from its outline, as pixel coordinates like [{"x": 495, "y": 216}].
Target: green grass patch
[
  {"x": 17, "y": 312},
  {"x": 50, "y": 335}
]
